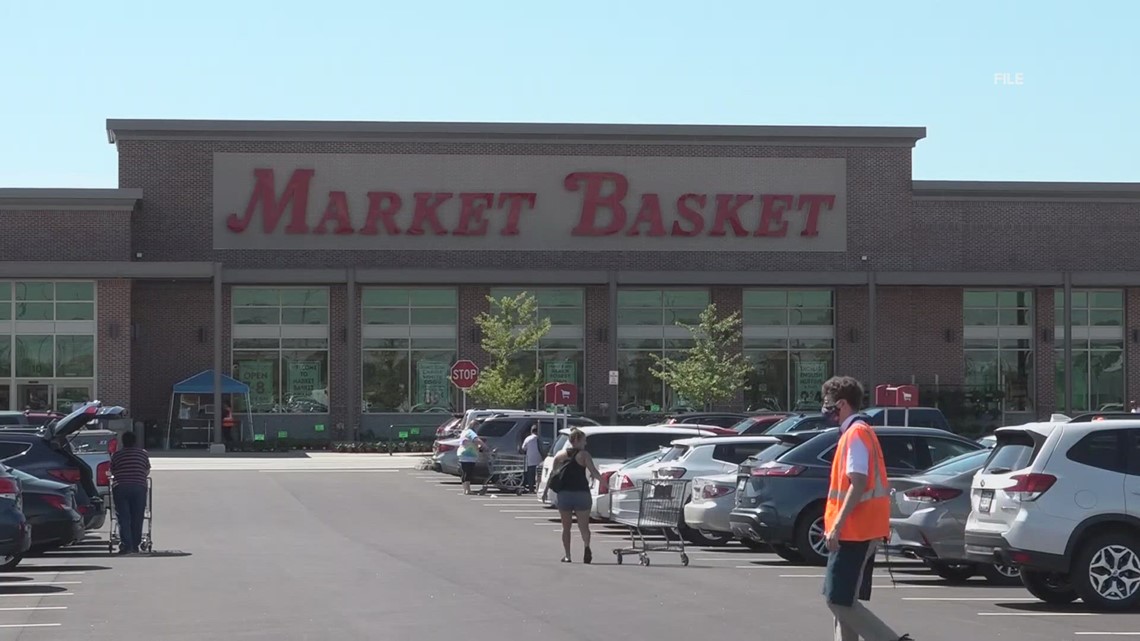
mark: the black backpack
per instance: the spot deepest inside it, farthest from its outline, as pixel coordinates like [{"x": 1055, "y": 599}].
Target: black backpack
[{"x": 554, "y": 483}]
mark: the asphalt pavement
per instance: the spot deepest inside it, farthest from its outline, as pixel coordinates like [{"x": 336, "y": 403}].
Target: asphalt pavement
[{"x": 394, "y": 553}]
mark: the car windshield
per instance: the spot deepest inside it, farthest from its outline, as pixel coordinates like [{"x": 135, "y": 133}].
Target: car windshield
[
  {"x": 961, "y": 464},
  {"x": 674, "y": 453},
  {"x": 787, "y": 425},
  {"x": 651, "y": 457},
  {"x": 743, "y": 425}
]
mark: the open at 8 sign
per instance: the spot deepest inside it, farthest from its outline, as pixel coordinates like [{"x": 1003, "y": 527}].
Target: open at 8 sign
[{"x": 464, "y": 374}]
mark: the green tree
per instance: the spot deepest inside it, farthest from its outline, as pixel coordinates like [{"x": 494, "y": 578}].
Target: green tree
[
  {"x": 714, "y": 368},
  {"x": 511, "y": 328}
]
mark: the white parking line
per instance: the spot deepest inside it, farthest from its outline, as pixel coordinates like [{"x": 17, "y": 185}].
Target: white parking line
[
  {"x": 30, "y": 625},
  {"x": 327, "y": 470},
  {"x": 909, "y": 587},
  {"x": 14, "y": 584},
  {"x": 48, "y": 572},
  {"x": 34, "y": 607},
  {"x": 527, "y": 512},
  {"x": 991, "y": 599},
  {"x": 820, "y": 576},
  {"x": 1108, "y": 634},
  {"x": 37, "y": 594},
  {"x": 534, "y": 518},
  {"x": 1037, "y": 614}
]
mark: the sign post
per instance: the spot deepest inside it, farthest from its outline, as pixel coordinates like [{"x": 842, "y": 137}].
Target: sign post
[{"x": 464, "y": 375}]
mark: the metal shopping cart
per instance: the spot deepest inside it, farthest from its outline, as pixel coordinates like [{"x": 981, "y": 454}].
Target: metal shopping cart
[
  {"x": 147, "y": 543},
  {"x": 660, "y": 510},
  {"x": 505, "y": 472}
]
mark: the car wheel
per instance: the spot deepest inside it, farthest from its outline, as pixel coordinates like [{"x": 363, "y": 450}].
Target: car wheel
[
  {"x": 953, "y": 572},
  {"x": 999, "y": 574},
  {"x": 788, "y": 554},
  {"x": 9, "y": 563},
  {"x": 810, "y": 540},
  {"x": 1106, "y": 573},
  {"x": 1050, "y": 587}
]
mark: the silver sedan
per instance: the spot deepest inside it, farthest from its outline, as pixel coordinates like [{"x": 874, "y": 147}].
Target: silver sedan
[{"x": 713, "y": 500}]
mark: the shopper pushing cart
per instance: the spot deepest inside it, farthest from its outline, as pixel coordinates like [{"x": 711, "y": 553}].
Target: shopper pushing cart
[{"x": 130, "y": 494}]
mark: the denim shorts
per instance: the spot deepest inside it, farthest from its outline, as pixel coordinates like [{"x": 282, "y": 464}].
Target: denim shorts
[{"x": 574, "y": 501}]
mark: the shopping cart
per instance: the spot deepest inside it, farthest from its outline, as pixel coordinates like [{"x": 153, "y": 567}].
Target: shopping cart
[
  {"x": 660, "y": 510},
  {"x": 146, "y": 544},
  {"x": 505, "y": 472}
]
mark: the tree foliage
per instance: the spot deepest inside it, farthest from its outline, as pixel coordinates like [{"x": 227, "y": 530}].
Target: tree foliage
[
  {"x": 714, "y": 368},
  {"x": 511, "y": 329}
]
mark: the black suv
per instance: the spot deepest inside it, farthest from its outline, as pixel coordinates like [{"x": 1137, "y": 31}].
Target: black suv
[
  {"x": 46, "y": 453},
  {"x": 780, "y": 493}
]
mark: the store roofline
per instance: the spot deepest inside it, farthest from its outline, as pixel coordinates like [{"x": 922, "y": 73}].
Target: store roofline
[
  {"x": 118, "y": 129},
  {"x": 1024, "y": 191},
  {"x": 66, "y": 199}
]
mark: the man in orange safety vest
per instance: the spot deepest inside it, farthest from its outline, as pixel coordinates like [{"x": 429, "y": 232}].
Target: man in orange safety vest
[{"x": 857, "y": 516}]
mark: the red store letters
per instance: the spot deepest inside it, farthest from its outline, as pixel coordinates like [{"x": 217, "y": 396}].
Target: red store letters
[{"x": 606, "y": 209}]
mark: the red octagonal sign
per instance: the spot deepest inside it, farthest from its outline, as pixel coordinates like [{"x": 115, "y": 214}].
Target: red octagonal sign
[{"x": 464, "y": 374}]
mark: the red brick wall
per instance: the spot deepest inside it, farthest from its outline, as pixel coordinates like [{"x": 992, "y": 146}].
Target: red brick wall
[
  {"x": 38, "y": 235},
  {"x": 597, "y": 362},
  {"x": 910, "y": 339},
  {"x": 472, "y": 302},
  {"x": 1044, "y": 325},
  {"x": 851, "y": 346},
  {"x": 167, "y": 348},
  {"x": 113, "y": 324}
]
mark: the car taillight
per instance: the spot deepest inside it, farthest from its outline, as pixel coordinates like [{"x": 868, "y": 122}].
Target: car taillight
[
  {"x": 113, "y": 445},
  {"x": 1030, "y": 487},
  {"x": 444, "y": 448},
  {"x": 56, "y": 502},
  {"x": 931, "y": 494},
  {"x": 712, "y": 490},
  {"x": 604, "y": 483},
  {"x": 626, "y": 483},
  {"x": 773, "y": 468},
  {"x": 67, "y": 475},
  {"x": 670, "y": 472},
  {"x": 103, "y": 473},
  {"x": 10, "y": 489}
]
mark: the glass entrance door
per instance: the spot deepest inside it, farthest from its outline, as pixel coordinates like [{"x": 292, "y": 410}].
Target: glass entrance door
[
  {"x": 69, "y": 395},
  {"x": 33, "y": 396}
]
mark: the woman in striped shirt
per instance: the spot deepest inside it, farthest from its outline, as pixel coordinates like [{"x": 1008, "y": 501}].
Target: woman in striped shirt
[{"x": 130, "y": 468}]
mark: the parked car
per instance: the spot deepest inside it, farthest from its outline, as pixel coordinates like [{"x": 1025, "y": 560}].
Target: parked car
[
  {"x": 713, "y": 498},
  {"x": 15, "y": 533},
  {"x": 612, "y": 473},
  {"x": 700, "y": 456},
  {"x": 505, "y": 433},
  {"x": 719, "y": 419},
  {"x": 758, "y": 424},
  {"x": 47, "y": 454},
  {"x": 907, "y": 417},
  {"x": 614, "y": 444},
  {"x": 1060, "y": 500},
  {"x": 41, "y": 418},
  {"x": 95, "y": 447},
  {"x": 50, "y": 509},
  {"x": 14, "y": 419},
  {"x": 780, "y": 500},
  {"x": 928, "y": 520},
  {"x": 804, "y": 422}
]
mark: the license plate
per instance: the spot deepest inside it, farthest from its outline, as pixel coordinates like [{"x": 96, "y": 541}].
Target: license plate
[
  {"x": 986, "y": 501},
  {"x": 740, "y": 485}
]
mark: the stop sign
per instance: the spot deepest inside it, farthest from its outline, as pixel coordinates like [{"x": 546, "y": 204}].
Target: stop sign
[{"x": 464, "y": 374}]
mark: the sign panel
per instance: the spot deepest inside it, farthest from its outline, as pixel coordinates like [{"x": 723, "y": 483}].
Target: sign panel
[
  {"x": 432, "y": 388},
  {"x": 437, "y": 202},
  {"x": 259, "y": 376},
  {"x": 302, "y": 378},
  {"x": 464, "y": 374}
]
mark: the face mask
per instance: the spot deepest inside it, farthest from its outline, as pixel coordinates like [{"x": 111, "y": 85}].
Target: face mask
[{"x": 831, "y": 413}]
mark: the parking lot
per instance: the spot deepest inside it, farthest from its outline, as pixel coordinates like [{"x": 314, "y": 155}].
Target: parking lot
[{"x": 383, "y": 551}]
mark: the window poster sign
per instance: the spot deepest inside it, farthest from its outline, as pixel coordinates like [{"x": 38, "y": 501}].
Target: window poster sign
[
  {"x": 259, "y": 376},
  {"x": 810, "y": 377},
  {"x": 560, "y": 371},
  {"x": 433, "y": 384},
  {"x": 303, "y": 377}
]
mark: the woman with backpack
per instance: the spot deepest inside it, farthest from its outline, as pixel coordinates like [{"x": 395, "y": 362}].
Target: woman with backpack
[{"x": 572, "y": 487}]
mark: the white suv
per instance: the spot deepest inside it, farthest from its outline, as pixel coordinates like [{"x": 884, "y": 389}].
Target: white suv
[{"x": 1062, "y": 501}]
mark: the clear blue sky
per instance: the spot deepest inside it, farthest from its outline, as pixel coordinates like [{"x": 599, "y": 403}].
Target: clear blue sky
[{"x": 69, "y": 65}]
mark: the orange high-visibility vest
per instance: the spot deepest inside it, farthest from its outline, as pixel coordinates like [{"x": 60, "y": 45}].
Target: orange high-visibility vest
[
  {"x": 871, "y": 518},
  {"x": 228, "y": 418}
]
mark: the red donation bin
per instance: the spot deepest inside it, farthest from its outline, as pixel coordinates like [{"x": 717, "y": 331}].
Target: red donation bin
[
  {"x": 560, "y": 393},
  {"x": 896, "y": 396}
]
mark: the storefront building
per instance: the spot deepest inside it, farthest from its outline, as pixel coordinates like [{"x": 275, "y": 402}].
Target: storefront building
[{"x": 337, "y": 268}]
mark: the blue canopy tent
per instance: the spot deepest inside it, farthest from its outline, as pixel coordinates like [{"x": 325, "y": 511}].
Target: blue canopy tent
[{"x": 202, "y": 384}]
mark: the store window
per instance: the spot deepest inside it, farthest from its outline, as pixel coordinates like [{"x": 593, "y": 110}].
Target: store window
[
  {"x": 47, "y": 344},
  {"x": 559, "y": 356},
  {"x": 408, "y": 346},
  {"x": 1097, "y": 348},
  {"x": 647, "y": 325},
  {"x": 789, "y": 338},
  {"x": 998, "y": 350},
  {"x": 281, "y": 348}
]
